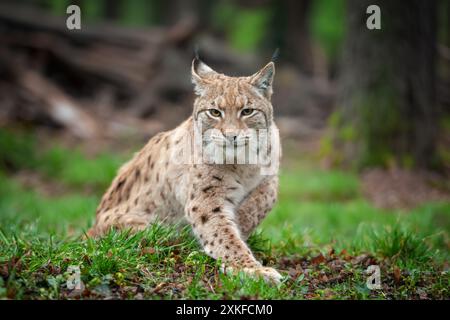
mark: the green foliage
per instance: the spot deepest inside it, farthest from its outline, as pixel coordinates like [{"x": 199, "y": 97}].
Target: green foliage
[
  {"x": 136, "y": 13},
  {"x": 57, "y": 7},
  {"x": 369, "y": 130},
  {"x": 327, "y": 25},
  {"x": 93, "y": 10},
  {"x": 21, "y": 151},
  {"x": 347, "y": 133},
  {"x": 245, "y": 29}
]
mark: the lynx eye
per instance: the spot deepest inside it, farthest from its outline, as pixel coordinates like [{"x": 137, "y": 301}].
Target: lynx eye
[
  {"x": 215, "y": 113},
  {"x": 247, "y": 112}
]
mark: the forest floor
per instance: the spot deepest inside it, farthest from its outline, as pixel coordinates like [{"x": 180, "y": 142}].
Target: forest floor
[{"x": 323, "y": 235}]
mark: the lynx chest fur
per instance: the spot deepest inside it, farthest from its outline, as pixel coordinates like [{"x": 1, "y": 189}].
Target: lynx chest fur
[{"x": 217, "y": 171}]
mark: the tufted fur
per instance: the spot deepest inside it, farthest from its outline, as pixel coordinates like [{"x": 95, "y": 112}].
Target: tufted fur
[{"x": 222, "y": 202}]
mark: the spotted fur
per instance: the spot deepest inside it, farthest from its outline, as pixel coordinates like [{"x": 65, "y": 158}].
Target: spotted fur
[{"x": 223, "y": 203}]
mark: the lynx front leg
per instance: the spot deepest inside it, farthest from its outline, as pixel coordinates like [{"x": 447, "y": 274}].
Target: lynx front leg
[
  {"x": 120, "y": 218},
  {"x": 212, "y": 219},
  {"x": 257, "y": 205}
]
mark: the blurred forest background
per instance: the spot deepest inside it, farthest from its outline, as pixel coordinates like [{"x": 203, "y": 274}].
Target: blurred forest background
[
  {"x": 364, "y": 115},
  {"x": 368, "y": 98}
]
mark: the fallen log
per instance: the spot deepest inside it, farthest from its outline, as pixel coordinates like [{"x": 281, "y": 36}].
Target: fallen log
[
  {"x": 68, "y": 74},
  {"x": 59, "y": 106}
]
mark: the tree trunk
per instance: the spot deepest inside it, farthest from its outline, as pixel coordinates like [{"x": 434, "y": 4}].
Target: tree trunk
[
  {"x": 387, "y": 108},
  {"x": 112, "y": 9},
  {"x": 293, "y": 24}
]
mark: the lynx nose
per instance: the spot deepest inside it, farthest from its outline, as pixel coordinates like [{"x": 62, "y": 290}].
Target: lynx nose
[{"x": 231, "y": 136}]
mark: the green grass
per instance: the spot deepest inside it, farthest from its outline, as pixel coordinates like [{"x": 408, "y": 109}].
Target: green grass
[
  {"x": 20, "y": 150},
  {"x": 322, "y": 235},
  {"x": 52, "y": 215}
]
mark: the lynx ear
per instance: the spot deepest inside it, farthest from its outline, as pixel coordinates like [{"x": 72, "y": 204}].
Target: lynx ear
[
  {"x": 200, "y": 73},
  {"x": 263, "y": 80}
]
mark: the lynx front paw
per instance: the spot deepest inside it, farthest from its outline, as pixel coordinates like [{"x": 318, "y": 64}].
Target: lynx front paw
[{"x": 269, "y": 275}]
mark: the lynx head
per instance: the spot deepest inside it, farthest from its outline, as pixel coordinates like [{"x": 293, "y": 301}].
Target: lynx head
[{"x": 230, "y": 109}]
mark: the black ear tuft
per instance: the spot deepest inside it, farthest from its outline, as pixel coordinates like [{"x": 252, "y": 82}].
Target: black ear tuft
[
  {"x": 275, "y": 55},
  {"x": 196, "y": 52}
]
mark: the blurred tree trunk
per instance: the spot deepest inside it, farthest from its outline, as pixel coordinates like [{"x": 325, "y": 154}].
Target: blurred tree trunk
[
  {"x": 297, "y": 36},
  {"x": 176, "y": 10},
  {"x": 112, "y": 9},
  {"x": 387, "y": 95},
  {"x": 290, "y": 31}
]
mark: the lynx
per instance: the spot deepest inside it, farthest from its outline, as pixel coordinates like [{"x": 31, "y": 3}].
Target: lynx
[{"x": 224, "y": 201}]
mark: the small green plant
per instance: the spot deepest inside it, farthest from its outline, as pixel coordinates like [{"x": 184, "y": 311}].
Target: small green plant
[{"x": 400, "y": 245}]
